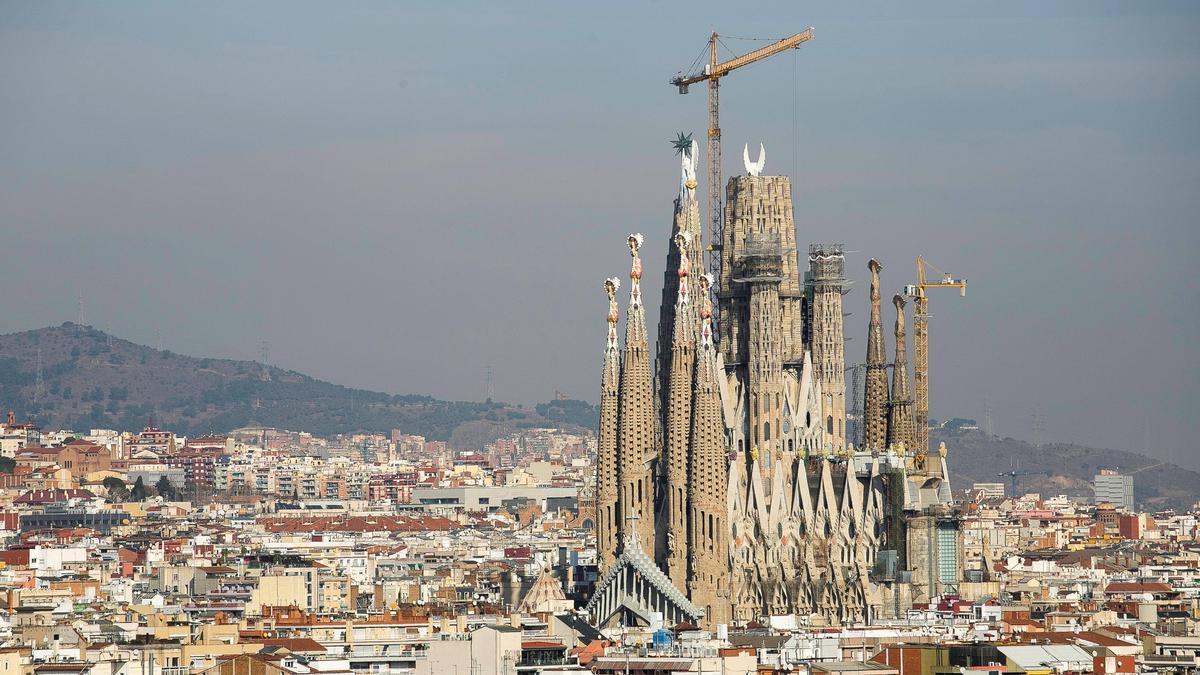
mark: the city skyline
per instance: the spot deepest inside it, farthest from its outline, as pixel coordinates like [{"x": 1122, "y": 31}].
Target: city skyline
[{"x": 397, "y": 208}]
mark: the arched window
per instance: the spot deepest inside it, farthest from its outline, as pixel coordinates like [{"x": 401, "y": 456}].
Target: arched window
[
  {"x": 766, "y": 431},
  {"x": 829, "y": 424}
]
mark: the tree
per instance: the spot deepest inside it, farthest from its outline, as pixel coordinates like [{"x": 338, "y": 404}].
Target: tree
[
  {"x": 7, "y": 464},
  {"x": 165, "y": 489},
  {"x": 139, "y": 490},
  {"x": 117, "y": 492}
]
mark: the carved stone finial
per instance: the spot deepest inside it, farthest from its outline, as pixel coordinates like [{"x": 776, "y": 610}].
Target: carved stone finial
[
  {"x": 942, "y": 449},
  {"x": 635, "y": 272},
  {"x": 685, "y": 267},
  {"x": 611, "y": 285}
]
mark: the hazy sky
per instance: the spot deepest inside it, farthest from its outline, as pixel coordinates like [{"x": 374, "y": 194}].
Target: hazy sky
[{"x": 396, "y": 196}]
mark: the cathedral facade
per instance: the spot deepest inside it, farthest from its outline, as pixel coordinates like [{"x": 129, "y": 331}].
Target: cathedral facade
[{"x": 726, "y": 487}]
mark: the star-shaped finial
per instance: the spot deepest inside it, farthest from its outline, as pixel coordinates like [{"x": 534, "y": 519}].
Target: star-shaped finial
[{"x": 682, "y": 143}]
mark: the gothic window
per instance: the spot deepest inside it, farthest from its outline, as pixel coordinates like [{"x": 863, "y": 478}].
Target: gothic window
[
  {"x": 766, "y": 431},
  {"x": 829, "y": 424}
]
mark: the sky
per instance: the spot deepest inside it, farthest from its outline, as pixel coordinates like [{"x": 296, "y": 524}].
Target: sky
[{"x": 398, "y": 195}]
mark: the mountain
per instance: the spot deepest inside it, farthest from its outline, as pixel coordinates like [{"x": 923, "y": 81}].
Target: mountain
[
  {"x": 1063, "y": 468},
  {"x": 93, "y": 380}
]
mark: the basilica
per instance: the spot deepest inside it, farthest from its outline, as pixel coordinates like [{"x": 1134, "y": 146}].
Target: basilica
[{"x": 728, "y": 488}]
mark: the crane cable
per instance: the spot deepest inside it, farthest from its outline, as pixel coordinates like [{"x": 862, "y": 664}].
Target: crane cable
[{"x": 795, "y": 124}]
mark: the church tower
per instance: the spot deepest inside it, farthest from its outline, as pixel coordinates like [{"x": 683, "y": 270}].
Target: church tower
[
  {"x": 827, "y": 274},
  {"x": 608, "y": 519},
  {"x": 901, "y": 429},
  {"x": 708, "y": 524},
  {"x": 875, "y": 412},
  {"x": 677, "y": 329},
  {"x": 678, "y": 424},
  {"x": 636, "y": 451}
]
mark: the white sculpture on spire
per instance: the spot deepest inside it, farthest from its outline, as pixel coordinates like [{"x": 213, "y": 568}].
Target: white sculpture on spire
[
  {"x": 754, "y": 168},
  {"x": 687, "y": 161}
]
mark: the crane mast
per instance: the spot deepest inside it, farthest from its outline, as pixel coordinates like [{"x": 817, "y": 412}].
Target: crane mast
[
  {"x": 712, "y": 73},
  {"x": 921, "y": 347}
]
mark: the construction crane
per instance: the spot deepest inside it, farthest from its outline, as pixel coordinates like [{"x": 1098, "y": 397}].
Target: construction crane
[
  {"x": 1015, "y": 472},
  {"x": 921, "y": 346},
  {"x": 712, "y": 72}
]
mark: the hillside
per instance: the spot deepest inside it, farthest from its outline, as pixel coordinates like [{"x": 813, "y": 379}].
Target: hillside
[
  {"x": 1062, "y": 468},
  {"x": 94, "y": 380}
]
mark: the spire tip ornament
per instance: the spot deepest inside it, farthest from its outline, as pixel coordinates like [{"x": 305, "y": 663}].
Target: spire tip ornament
[{"x": 754, "y": 168}]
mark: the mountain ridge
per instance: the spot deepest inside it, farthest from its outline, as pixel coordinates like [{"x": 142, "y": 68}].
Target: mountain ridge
[
  {"x": 94, "y": 380},
  {"x": 91, "y": 379}
]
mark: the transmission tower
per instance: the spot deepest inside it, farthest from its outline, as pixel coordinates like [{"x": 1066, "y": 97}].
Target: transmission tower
[
  {"x": 40, "y": 386},
  {"x": 264, "y": 351},
  {"x": 987, "y": 418},
  {"x": 1037, "y": 427},
  {"x": 488, "y": 374}
]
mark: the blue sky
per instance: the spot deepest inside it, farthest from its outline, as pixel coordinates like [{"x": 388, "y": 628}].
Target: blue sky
[{"x": 396, "y": 195}]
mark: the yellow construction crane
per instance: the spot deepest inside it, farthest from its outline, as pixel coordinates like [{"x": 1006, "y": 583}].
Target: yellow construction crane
[
  {"x": 712, "y": 73},
  {"x": 921, "y": 346}
]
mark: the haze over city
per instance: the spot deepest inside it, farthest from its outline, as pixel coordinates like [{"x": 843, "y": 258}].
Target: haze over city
[{"x": 397, "y": 197}]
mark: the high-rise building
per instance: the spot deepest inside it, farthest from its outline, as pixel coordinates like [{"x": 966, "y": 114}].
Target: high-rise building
[{"x": 1113, "y": 488}]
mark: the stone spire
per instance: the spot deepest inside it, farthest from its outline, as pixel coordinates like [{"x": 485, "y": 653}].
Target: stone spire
[
  {"x": 900, "y": 430},
  {"x": 607, "y": 520},
  {"x": 875, "y": 401},
  {"x": 827, "y": 275},
  {"x": 678, "y": 421},
  {"x": 708, "y": 463},
  {"x": 687, "y": 223},
  {"x": 635, "y": 418}
]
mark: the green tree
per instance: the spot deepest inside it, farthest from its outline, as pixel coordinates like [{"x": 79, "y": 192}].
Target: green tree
[
  {"x": 117, "y": 491},
  {"x": 165, "y": 489},
  {"x": 139, "y": 490}
]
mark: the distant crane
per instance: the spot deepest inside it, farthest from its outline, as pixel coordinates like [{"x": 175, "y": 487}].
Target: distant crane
[
  {"x": 712, "y": 72},
  {"x": 921, "y": 345},
  {"x": 1014, "y": 473}
]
